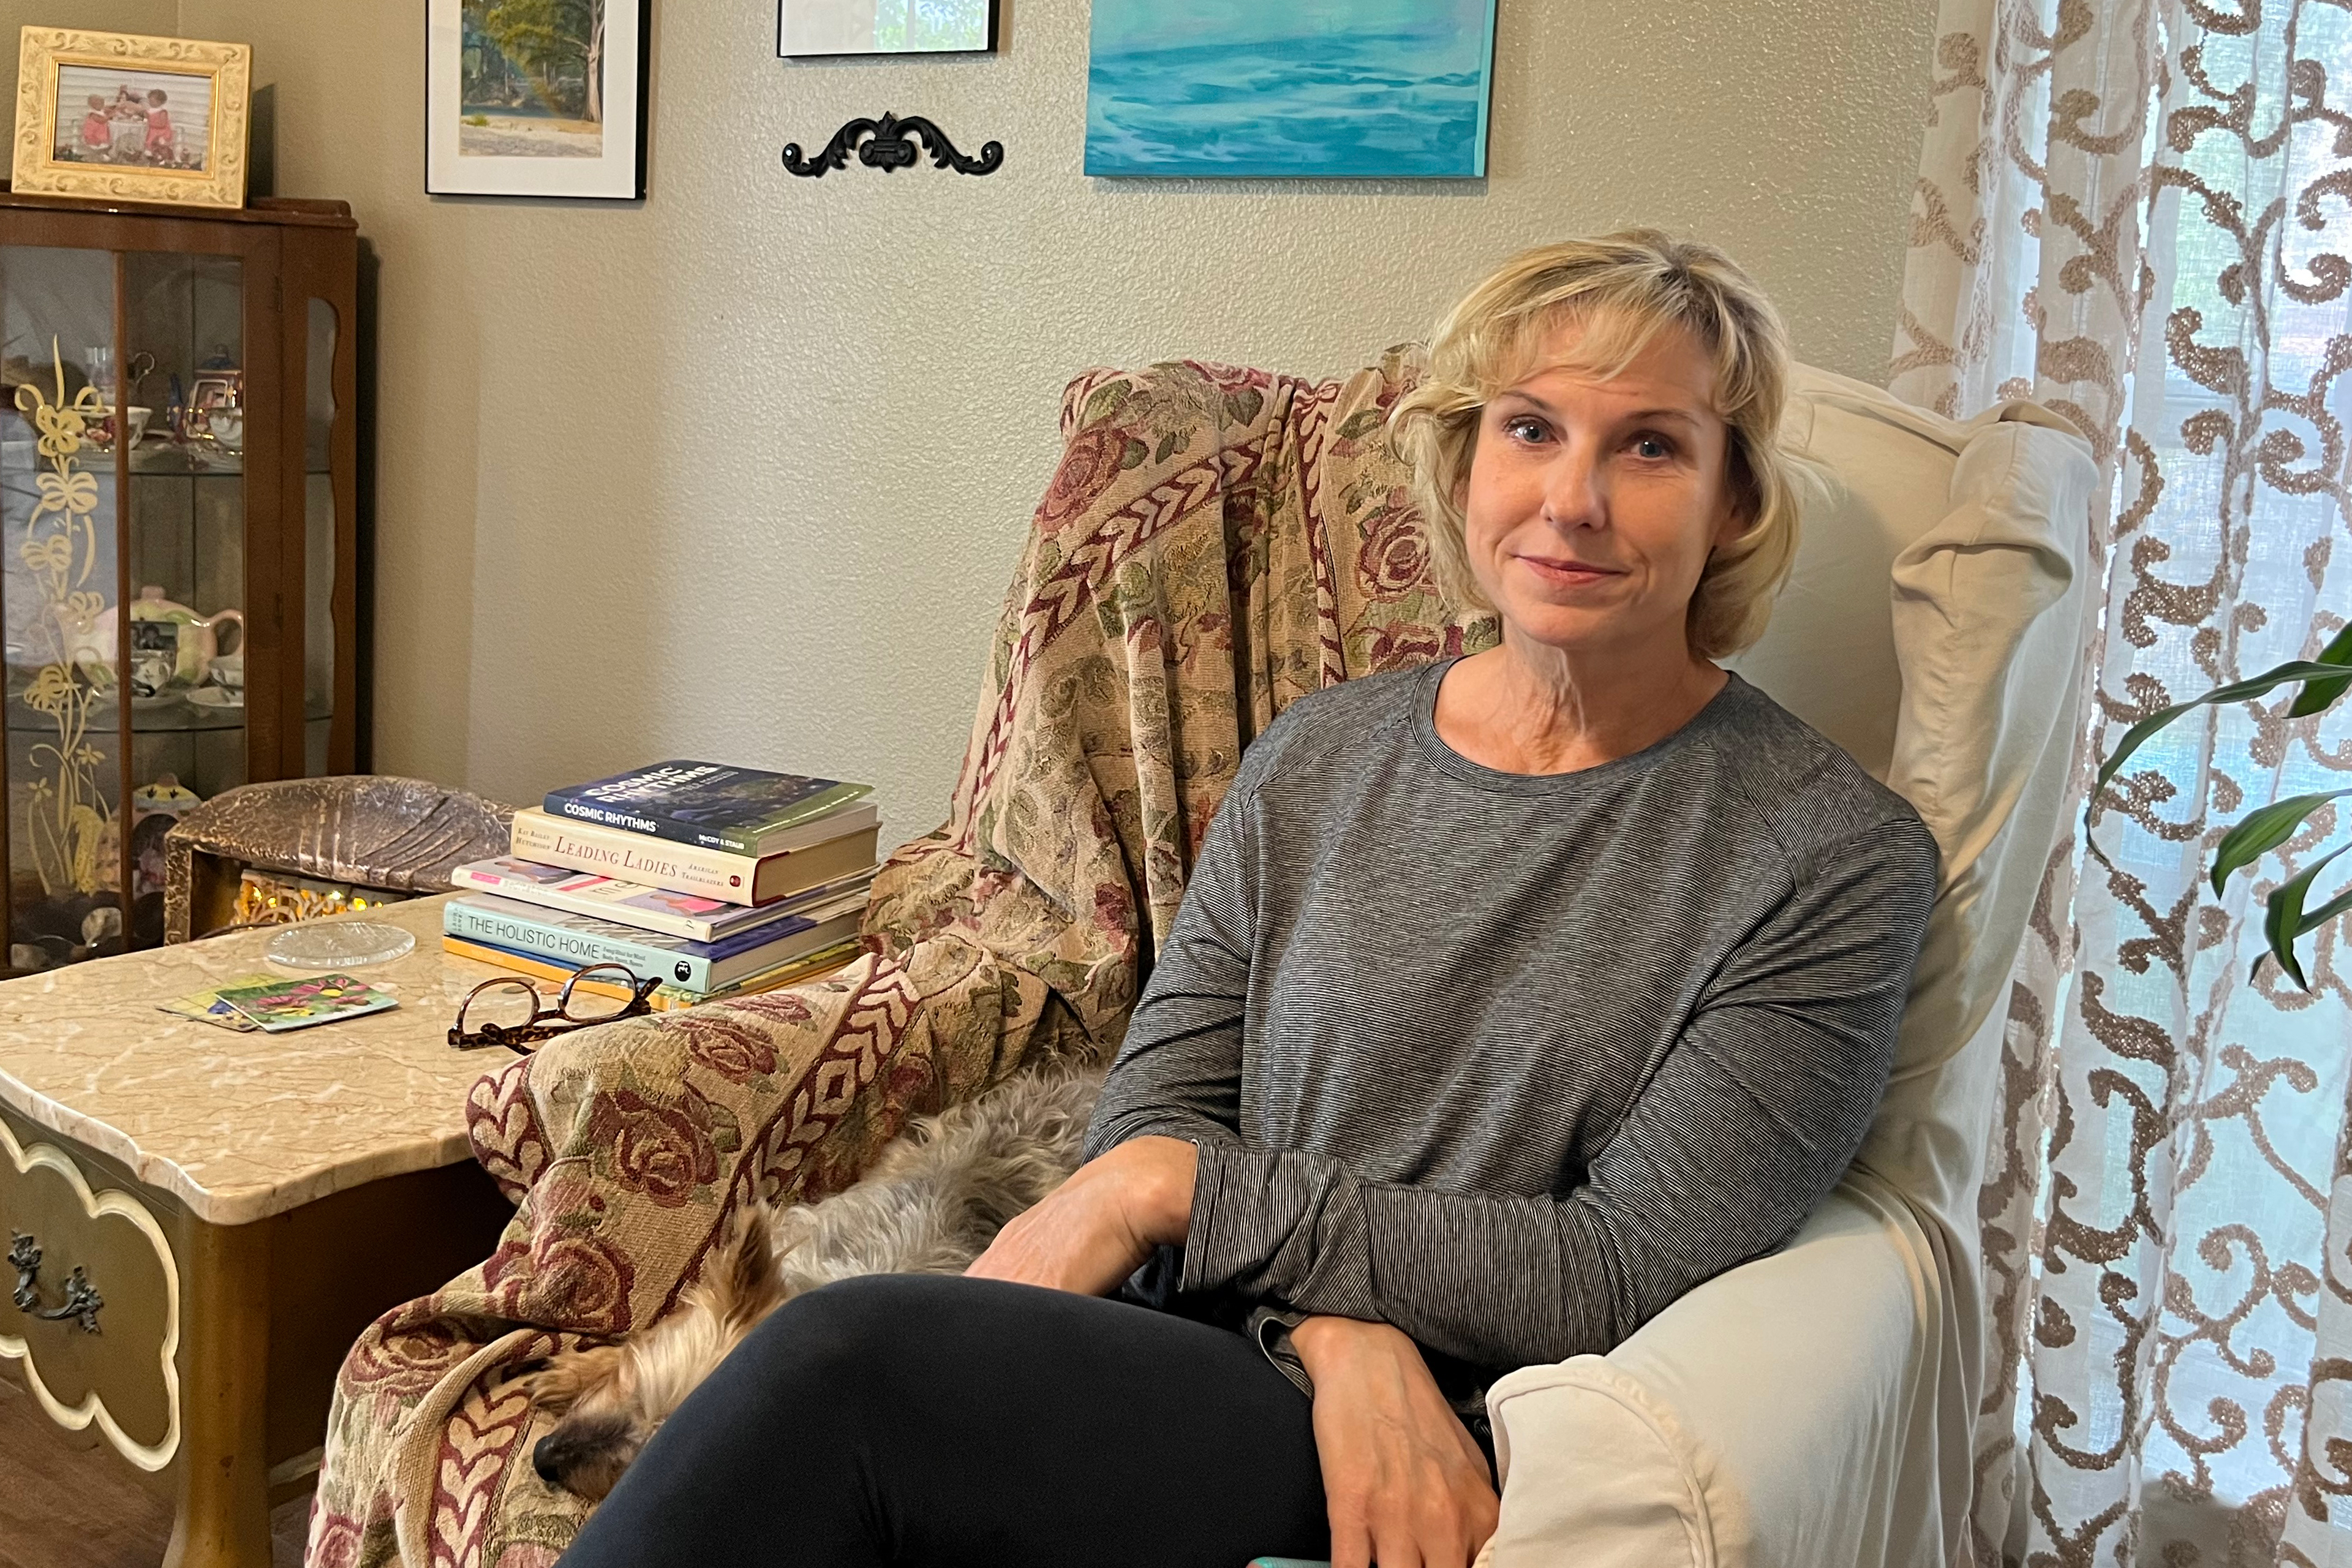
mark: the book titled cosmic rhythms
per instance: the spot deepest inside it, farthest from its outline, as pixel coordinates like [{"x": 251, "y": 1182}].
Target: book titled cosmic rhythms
[{"x": 743, "y": 811}]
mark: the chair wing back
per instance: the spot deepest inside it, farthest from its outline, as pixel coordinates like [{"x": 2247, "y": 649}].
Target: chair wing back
[
  {"x": 1829, "y": 655},
  {"x": 1934, "y": 627},
  {"x": 1218, "y": 541}
]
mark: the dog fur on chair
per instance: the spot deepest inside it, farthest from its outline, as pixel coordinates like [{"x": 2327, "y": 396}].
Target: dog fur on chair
[{"x": 931, "y": 1204}]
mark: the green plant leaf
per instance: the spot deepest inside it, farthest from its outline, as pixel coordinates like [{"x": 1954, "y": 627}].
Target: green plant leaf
[
  {"x": 2283, "y": 923},
  {"x": 2260, "y": 832},
  {"x": 2236, "y": 692},
  {"x": 2324, "y": 913},
  {"x": 2321, "y": 695}
]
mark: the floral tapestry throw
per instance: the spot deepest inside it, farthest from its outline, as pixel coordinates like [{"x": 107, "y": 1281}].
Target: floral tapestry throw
[{"x": 1216, "y": 542}]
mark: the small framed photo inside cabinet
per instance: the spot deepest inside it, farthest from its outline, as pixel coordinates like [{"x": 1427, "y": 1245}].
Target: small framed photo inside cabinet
[
  {"x": 124, "y": 117},
  {"x": 536, "y": 97},
  {"x": 805, "y": 27}
]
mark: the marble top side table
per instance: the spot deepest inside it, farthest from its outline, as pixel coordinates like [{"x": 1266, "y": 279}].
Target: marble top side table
[{"x": 200, "y": 1221}]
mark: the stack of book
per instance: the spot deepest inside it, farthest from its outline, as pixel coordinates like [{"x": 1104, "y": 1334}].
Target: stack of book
[{"x": 723, "y": 881}]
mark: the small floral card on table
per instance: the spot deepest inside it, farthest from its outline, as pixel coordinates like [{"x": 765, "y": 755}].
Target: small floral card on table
[
  {"x": 278, "y": 1005},
  {"x": 206, "y": 1006}
]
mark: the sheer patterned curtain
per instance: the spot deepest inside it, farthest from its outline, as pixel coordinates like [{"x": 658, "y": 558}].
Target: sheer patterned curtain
[{"x": 2140, "y": 213}]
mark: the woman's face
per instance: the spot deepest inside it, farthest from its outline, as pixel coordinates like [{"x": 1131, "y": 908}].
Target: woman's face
[{"x": 1592, "y": 505}]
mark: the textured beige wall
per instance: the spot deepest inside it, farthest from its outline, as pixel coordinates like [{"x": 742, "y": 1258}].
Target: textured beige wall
[
  {"x": 743, "y": 472},
  {"x": 112, "y": 16}
]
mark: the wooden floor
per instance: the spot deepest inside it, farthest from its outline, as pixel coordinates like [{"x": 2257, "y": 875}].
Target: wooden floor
[{"x": 65, "y": 1502}]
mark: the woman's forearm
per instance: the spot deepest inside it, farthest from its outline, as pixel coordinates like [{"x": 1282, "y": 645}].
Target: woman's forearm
[
  {"x": 1098, "y": 1227},
  {"x": 1156, "y": 1177},
  {"x": 1720, "y": 1159},
  {"x": 1493, "y": 1281}
]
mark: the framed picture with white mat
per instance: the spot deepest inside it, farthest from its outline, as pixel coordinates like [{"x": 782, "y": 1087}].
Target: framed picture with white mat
[
  {"x": 515, "y": 107},
  {"x": 806, "y": 28}
]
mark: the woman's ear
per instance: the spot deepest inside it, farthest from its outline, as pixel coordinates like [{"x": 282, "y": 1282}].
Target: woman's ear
[
  {"x": 1742, "y": 505},
  {"x": 1738, "y": 517},
  {"x": 1475, "y": 436}
]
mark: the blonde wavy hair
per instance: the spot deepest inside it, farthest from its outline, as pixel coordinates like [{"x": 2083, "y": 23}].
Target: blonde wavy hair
[{"x": 1623, "y": 289}]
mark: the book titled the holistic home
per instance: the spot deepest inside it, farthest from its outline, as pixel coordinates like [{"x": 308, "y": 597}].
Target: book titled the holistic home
[
  {"x": 666, "y": 998},
  {"x": 705, "y": 966},
  {"x": 688, "y": 915},
  {"x": 687, "y": 869},
  {"x": 740, "y": 810}
]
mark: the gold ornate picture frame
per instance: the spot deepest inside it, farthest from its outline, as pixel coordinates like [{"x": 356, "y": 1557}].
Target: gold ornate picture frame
[{"x": 123, "y": 117}]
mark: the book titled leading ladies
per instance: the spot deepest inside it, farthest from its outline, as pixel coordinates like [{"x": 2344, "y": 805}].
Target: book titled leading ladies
[
  {"x": 741, "y": 811},
  {"x": 846, "y": 848}
]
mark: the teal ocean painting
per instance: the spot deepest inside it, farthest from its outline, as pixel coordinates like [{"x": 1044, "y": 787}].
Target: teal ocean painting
[{"x": 1290, "y": 89}]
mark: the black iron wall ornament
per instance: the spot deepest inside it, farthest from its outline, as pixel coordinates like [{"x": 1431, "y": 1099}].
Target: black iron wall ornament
[{"x": 891, "y": 147}]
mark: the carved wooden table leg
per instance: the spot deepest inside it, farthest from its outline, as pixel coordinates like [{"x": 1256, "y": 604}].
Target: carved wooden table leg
[{"x": 224, "y": 1517}]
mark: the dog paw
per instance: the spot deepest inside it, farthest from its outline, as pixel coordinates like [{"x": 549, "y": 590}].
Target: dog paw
[{"x": 561, "y": 1382}]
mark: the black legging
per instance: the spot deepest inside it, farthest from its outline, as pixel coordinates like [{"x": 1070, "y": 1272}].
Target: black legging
[{"x": 909, "y": 1420}]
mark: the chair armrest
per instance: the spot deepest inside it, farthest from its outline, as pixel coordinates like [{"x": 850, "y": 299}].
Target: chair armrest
[{"x": 1782, "y": 1414}]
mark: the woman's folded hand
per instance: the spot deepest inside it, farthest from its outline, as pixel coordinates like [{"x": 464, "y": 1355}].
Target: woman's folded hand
[
  {"x": 1406, "y": 1485},
  {"x": 1099, "y": 1226}
]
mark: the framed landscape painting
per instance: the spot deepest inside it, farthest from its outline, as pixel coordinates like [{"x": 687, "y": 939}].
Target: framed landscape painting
[
  {"x": 1301, "y": 89},
  {"x": 885, "y": 27},
  {"x": 536, "y": 97}
]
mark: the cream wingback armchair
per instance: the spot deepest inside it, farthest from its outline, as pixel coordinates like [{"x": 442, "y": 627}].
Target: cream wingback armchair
[
  {"x": 1216, "y": 542},
  {"x": 1815, "y": 1408}
]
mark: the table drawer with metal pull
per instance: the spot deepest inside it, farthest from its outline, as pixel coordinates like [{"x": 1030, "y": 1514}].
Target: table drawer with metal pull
[{"x": 89, "y": 1301}]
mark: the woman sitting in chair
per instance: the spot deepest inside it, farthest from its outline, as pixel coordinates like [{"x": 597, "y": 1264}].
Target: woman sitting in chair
[{"x": 1510, "y": 998}]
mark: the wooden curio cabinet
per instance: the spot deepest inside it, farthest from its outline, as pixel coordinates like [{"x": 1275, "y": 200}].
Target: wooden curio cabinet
[{"x": 178, "y": 539}]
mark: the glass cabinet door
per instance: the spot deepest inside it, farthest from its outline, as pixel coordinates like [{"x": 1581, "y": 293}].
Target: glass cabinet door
[
  {"x": 59, "y": 593},
  {"x": 183, "y": 336},
  {"x": 122, "y": 515}
]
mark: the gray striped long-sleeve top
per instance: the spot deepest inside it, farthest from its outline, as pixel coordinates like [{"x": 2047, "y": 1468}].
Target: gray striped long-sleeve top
[{"x": 1512, "y": 1061}]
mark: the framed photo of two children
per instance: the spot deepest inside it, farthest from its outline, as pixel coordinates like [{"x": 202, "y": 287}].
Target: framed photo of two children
[{"x": 123, "y": 117}]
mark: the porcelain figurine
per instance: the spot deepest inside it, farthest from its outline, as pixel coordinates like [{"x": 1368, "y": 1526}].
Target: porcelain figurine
[{"x": 171, "y": 646}]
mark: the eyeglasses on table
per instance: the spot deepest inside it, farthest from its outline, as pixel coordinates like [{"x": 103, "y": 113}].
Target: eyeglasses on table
[{"x": 510, "y": 1011}]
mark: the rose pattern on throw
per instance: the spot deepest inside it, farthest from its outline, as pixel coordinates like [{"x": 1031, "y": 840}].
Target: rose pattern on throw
[
  {"x": 1199, "y": 509},
  {"x": 1089, "y": 469},
  {"x": 581, "y": 1280},
  {"x": 664, "y": 1149},
  {"x": 733, "y": 1050},
  {"x": 399, "y": 1357},
  {"x": 1395, "y": 557}
]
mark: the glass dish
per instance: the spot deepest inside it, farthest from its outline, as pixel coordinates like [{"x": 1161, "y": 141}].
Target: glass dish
[{"x": 339, "y": 944}]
